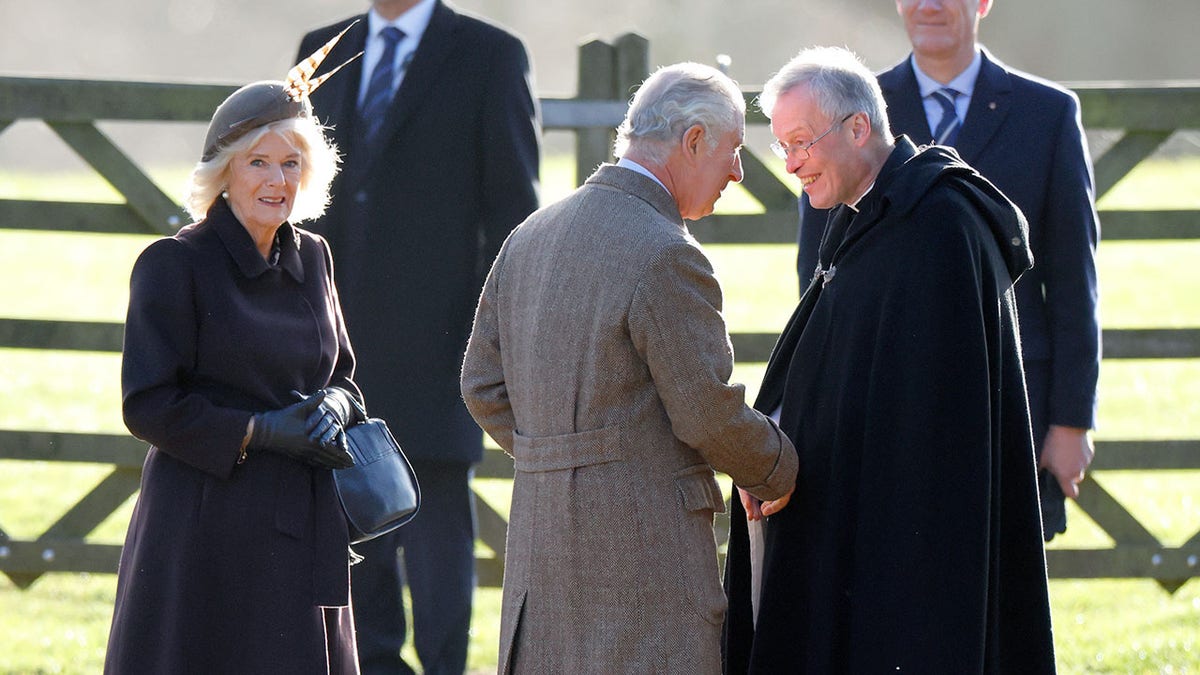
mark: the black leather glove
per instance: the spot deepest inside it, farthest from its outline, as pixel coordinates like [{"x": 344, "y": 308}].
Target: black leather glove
[
  {"x": 341, "y": 404},
  {"x": 337, "y": 412},
  {"x": 296, "y": 432}
]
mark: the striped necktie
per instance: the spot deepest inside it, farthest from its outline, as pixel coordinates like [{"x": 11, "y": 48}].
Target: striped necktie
[
  {"x": 379, "y": 89},
  {"x": 947, "y": 128}
]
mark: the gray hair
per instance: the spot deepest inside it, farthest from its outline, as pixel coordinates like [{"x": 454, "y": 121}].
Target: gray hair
[
  {"x": 674, "y": 99},
  {"x": 318, "y": 166},
  {"x": 839, "y": 82}
]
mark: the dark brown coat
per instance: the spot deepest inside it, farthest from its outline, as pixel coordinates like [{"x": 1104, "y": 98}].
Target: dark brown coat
[{"x": 226, "y": 566}]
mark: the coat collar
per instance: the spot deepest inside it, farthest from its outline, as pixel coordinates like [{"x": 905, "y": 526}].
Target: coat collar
[
  {"x": 875, "y": 201},
  {"x": 900, "y": 192},
  {"x": 646, "y": 189},
  {"x": 848, "y": 224},
  {"x": 990, "y": 105},
  {"x": 241, "y": 248}
]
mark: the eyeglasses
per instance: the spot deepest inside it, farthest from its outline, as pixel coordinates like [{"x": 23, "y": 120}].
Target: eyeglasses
[{"x": 783, "y": 150}]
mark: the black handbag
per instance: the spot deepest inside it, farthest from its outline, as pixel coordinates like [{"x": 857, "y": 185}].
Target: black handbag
[{"x": 380, "y": 492}]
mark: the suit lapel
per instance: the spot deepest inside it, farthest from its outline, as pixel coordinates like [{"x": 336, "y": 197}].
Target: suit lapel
[
  {"x": 906, "y": 111},
  {"x": 990, "y": 104}
]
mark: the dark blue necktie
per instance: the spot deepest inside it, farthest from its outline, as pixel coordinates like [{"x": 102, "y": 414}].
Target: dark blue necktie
[
  {"x": 379, "y": 89},
  {"x": 947, "y": 128}
]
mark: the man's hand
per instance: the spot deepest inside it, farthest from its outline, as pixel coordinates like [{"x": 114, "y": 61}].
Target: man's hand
[
  {"x": 1066, "y": 454},
  {"x": 756, "y": 509}
]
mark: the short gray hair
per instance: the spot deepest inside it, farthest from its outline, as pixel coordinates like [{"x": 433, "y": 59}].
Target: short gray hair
[
  {"x": 674, "y": 99},
  {"x": 839, "y": 81},
  {"x": 318, "y": 166}
]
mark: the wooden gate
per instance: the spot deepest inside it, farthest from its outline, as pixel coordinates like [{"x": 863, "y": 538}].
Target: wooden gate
[{"x": 1145, "y": 115}]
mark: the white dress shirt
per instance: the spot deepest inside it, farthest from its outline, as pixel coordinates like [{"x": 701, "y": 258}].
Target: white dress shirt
[
  {"x": 413, "y": 24},
  {"x": 638, "y": 168},
  {"x": 963, "y": 83}
]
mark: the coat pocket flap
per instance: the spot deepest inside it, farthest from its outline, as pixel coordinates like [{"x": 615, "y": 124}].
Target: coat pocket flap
[
  {"x": 567, "y": 451},
  {"x": 698, "y": 487}
]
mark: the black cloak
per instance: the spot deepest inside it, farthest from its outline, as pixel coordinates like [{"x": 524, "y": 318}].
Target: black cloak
[{"x": 913, "y": 540}]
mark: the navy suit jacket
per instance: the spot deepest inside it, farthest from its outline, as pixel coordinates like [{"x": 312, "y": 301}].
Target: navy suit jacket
[
  {"x": 1024, "y": 134},
  {"x": 416, "y": 220}
]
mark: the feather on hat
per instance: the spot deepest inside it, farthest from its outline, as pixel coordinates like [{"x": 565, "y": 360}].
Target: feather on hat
[{"x": 260, "y": 103}]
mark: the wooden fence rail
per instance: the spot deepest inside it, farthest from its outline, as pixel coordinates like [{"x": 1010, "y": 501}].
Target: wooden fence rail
[{"x": 1145, "y": 114}]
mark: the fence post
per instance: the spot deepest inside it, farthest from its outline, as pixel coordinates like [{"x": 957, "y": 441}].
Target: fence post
[
  {"x": 596, "y": 80},
  {"x": 606, "y": 72},
  {"x": 632, "y": 64}
]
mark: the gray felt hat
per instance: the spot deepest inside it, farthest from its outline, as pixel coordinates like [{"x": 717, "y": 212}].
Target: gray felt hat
[
  {"x": 254, "y": 105},
  {"x": 261, "y": 103}
]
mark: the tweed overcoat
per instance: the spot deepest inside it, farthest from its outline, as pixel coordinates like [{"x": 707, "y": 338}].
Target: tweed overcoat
[{"x": 600, "y": 361}]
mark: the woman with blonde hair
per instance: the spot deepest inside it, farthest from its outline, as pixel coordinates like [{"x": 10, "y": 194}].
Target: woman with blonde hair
[{"x": 237, "y": 369}]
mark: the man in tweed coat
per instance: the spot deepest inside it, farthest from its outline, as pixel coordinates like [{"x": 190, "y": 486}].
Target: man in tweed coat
[{"x": 600, "y": 361}]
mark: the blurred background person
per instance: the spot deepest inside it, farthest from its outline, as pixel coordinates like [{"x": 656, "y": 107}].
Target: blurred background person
[
  {"x": 1025, "y": 135},
  {"x": 440, "y": 133},
  {"x": 237, "y": 556}
]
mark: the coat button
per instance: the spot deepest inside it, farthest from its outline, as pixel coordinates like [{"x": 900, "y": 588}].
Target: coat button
[
  {"x": 360, "y": 197},
  {"x": 1016, "y": 241}
]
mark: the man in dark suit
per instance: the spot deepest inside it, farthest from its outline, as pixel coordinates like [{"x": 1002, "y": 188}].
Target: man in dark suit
[
  {"x": 439, "y": 130},
  {"x": 1023, "y": 134}
]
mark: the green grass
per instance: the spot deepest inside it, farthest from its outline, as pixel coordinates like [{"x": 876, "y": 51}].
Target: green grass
[{"x": 60, "y": 625}]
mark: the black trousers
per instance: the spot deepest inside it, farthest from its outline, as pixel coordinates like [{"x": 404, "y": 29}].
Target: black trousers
[{"x": 434, "y": 554}]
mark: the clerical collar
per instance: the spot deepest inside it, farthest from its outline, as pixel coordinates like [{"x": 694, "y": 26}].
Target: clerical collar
[
  {"x": 826, "y": 274},
  {"x": 854, "y": 207}
]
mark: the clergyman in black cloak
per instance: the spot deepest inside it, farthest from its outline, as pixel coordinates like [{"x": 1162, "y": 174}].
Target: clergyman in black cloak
[{"x": 912, "y": 542}]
